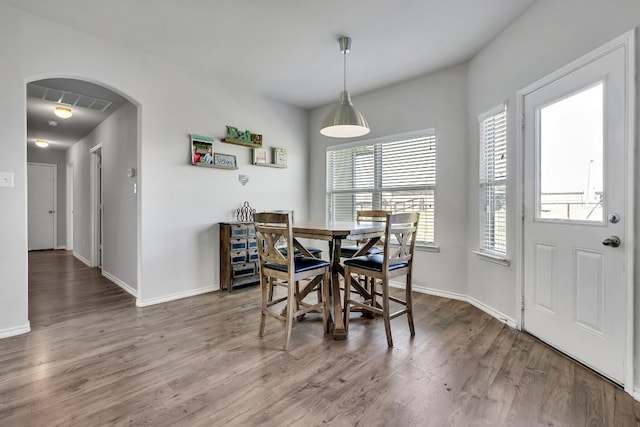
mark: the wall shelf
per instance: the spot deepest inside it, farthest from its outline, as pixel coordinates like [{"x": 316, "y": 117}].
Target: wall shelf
[
  {"x": 244, "y": 143},
  {"x": 204, "y": 165}
]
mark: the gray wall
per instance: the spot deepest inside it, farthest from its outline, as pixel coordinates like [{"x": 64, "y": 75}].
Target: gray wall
[
  {"x": 118, "y": 135},
  {"x": 57, "y": 157},
  {"x": 550, "y": 35},
  {"x": 178, "y": 205},
  {"x": 438, "y": 101}
]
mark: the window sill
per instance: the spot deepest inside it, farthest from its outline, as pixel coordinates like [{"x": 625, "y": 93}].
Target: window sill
[
  {"x": 427, "y": 248},
  {"x": 492, "y": 258}
]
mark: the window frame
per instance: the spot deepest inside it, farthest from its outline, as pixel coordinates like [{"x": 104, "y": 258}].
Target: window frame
[
  {"x": 487, "y": 226},
  {"x": 377, "y": 190}
]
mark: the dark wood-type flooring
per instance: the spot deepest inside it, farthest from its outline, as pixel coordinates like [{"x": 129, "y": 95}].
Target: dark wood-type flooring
[{"x": 93, "y": 358}]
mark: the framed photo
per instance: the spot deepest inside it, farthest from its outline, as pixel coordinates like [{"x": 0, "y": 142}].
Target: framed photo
[
  {"x": 259, "y": 156},
  {"x": 225, "y": 161},
  {"x": 280, "y": 157},
  {"x": 201, "y": 150}
]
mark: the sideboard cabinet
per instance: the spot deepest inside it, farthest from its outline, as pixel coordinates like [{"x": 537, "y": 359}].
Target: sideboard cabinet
[{"x": 238, "y": 255}]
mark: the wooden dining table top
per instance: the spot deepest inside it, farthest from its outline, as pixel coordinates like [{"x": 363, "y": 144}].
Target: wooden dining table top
[{"x": 331, "y": 230}]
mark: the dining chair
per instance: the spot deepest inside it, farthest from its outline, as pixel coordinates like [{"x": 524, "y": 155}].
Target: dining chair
[
  {"x": 369, "y": 216},
  {"x": 396, "y": 260},
  {"x": 272, "y": 228}
]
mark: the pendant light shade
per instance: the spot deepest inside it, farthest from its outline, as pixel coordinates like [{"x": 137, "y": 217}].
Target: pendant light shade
[{"x": 344, "y": 120}]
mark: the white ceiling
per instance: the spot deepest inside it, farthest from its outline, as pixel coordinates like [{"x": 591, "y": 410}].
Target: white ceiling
[{"x": 288, "y": 49}]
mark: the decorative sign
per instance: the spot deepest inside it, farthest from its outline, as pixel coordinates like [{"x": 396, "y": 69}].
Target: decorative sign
[
  {"x": 225, "y": 160},
  {"x": 245, "y": 137}
]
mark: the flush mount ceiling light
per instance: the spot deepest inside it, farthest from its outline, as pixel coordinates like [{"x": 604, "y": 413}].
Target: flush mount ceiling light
[
  {"x": 63, "y": 112},
  {"x": 344, "y": 120},
  {"x": 42, "y": 143}
]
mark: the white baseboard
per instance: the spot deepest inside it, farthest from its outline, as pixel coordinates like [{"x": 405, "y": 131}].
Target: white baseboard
[
  {"x": 173, "y": 297},
  {"x": 63, "y": 247},
  {"x": 18, "y": 330},
  {"x": 120, "y": 283},
  {"x": 81, "y": 258},
  {"x": 478, "y": 304}
]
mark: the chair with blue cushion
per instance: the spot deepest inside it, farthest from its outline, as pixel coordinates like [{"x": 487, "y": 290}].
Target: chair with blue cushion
[
  {"x": 273, "y": 228},
  {"x": 396, "y": 260}
]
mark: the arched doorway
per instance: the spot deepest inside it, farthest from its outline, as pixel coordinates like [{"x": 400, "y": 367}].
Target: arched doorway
[{"x": 100, "y": 203}]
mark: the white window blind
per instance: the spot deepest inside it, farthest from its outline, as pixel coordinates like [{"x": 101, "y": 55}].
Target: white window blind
[
  {"x": 493, "y": 186},
  {"x": 396, "y": 173}
]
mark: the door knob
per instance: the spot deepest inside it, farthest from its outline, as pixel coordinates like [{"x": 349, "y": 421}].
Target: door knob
[
  {"x": 613, "y": 241},
  {"x": 51, "y": 212}
]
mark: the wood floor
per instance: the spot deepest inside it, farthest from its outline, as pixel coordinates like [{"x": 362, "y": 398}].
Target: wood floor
[{"x": 93, "y": 358}]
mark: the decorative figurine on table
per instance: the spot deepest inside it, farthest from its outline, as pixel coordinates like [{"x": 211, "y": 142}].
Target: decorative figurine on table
[{"x": 245, "y": 213}]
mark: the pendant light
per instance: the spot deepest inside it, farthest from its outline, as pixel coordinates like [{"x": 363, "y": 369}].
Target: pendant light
[{"x": 344, "y": 120}]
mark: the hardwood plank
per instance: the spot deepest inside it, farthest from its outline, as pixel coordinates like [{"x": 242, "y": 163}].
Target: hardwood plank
[{"x": 94, "y": 358}]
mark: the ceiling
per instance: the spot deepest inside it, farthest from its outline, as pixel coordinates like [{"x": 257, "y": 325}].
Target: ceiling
[{"x": 288, "y": 49}]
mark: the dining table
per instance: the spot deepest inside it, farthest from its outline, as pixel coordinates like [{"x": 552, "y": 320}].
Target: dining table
[{"x": 335, "y": 232}]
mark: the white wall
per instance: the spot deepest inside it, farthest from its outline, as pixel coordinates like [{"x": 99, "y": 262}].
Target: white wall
[
  {"x": 179, "y": 204},
  {"x": 118, "y": 136},
  {"x": 550, "y": 35},
  {"x": 57, "y": 157},
  {"x": 437, "y": 101}
]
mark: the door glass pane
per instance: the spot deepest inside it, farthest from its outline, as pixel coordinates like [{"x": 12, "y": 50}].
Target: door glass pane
[{"x": 570, "y": 162}]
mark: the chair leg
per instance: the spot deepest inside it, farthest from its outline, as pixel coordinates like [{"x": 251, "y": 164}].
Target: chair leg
[
  {"x": 347, "y": 297},
  {"x": 263, "y": 304},
  {"x": 288, "y": 322},
  {"x": 409, "y": 305},
  {"x": 385, "y": 311},
  {"x": 272, "y": 284},
  {"x": 325, "y": 300}
]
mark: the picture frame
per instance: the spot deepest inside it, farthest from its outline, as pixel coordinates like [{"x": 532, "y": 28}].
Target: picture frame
[
  {"x": 227, "y": 161},
  {"x": 259, "y": 156},
  {"x": 201, "y": 150},
  {"x": 280, "y": 157}
]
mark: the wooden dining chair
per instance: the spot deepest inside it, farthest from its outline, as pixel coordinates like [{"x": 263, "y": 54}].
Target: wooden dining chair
[
  {"x": 369, "y": 216},
  {"x": 396, "y": 260},
  {"x": 272, "y": 228}
]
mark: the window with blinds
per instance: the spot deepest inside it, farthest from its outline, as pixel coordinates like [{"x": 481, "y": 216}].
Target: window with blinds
[
  {"x": 395, "y": 173},
  {"x": 493, "y": 185}
]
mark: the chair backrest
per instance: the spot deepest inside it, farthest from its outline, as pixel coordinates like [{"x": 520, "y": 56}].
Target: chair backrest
[
  {"x": 400, "y": 238},
  {"x": 372, "y": 215},
  {"x": 272, "y": 229}
]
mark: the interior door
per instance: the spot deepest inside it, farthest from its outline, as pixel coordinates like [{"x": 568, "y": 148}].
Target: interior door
[
  {"x": 575, "y": 183},
  {"x": 41, "y": 186}
]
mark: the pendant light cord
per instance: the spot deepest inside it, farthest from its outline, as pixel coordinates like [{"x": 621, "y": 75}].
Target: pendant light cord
[{"x": 344, "y": 77}]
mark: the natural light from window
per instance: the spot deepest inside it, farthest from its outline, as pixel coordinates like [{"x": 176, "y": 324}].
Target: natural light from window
[{"x": 571, "y": 160}]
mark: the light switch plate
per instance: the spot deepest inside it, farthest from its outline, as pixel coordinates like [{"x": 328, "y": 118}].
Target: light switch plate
[{"x": 6, "y": 179}]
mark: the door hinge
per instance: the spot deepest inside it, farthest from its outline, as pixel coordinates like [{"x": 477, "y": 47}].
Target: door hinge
[
  {"x": 522, "y": 121},
  {"x": 522, "y": 305}
]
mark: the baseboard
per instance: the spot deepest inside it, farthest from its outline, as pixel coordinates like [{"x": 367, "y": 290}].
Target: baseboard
[
  {"x": 120, "y": 283},
  {"x": 84, "y": 260},
  {"x": 62, "y": 247},
  {"x": 461, "y": 297},
  {"x": 19, "y": 330},
  {"x": 177, "y": 296}
]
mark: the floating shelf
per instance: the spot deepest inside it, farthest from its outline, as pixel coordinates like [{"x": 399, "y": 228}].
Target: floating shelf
[
  {"x": 204, "y": 165},
  {"x": 270, "y": 165},
  {"x": 245, "y": 143}
]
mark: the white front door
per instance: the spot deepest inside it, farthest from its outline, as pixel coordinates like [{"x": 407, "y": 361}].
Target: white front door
[
  {"x": 575, "y": 214},
  {"x": 41, "y": 186}
]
